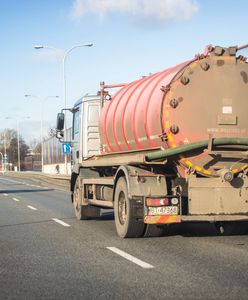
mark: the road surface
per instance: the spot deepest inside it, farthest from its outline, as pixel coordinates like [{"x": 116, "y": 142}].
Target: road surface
[{"x": 45, "y": 253}]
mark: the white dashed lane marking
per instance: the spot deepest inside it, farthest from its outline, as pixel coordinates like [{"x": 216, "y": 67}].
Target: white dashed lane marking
[
  {"x": 31, "y": 207},
  {"x": 5, "y": 194},
  {"x": 131, "y": 258},
  {"x": 15, "y": 199},
  {"x": 61, "y": 222}
]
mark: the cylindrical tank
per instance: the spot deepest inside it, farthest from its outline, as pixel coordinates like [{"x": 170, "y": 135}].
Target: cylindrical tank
[{"x": 197, "y": 99}]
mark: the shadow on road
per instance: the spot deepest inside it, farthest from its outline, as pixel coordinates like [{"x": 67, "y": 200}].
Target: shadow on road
[
  {"x": 204, "y": 229},
  {"x": 196, "y": 229},
  {"x": 192, "y": 229}
]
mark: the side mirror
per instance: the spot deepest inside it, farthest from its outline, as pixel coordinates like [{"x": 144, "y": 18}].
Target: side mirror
[
  {"x": 59, "y": 135},
  {"x": 60, "y": 121}
]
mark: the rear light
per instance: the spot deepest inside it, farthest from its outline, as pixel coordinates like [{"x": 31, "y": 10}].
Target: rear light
[{"x": 157, "y": 201}]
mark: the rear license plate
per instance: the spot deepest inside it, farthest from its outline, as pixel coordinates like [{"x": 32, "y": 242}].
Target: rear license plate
[{"x": 163, "y": 210}]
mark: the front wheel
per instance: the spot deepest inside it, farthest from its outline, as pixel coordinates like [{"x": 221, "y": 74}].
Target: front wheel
[
  {"x": 127, "y": 224},
  {"x": 83, "y": 212}
]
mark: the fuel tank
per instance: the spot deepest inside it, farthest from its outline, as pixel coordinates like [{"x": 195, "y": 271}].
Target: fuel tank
[{"x": 193, "y": 101}]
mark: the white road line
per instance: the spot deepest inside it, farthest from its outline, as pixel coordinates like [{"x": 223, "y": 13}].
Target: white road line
[
  {"x": 61, "y": 222},
  {"x": 31, "y": 207},
  {"x": 131, "y": 258},
  {"x": 15, "y": 199},
  {"x": 5, "y": 194}
]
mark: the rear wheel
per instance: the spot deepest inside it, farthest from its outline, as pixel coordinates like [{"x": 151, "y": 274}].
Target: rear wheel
[{"x": 127, "y": 224}]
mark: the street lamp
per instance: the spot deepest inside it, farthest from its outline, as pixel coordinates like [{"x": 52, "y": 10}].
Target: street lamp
[
  {"x": 2, "y": 161},
  {"x": 66, "y": 53},
  {"x": 42, "y": 100},
  {"x": 5, "y": 150},
  {"x": 18, "y": 140}
]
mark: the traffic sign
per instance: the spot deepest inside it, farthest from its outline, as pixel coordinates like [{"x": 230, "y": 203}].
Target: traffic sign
[{"x": 66, "y": 148}]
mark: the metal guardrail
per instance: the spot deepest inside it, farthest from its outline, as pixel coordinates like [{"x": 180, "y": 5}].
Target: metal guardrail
[{"x": 61, "y": 182}]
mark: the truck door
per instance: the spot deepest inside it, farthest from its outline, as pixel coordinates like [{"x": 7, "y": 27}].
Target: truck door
[{"x": 91, "y": 141}]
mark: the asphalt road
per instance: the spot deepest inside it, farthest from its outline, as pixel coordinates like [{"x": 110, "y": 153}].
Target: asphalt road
[{"x": 44, "y": 258}]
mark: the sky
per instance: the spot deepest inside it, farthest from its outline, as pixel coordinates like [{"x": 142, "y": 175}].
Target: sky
[{"x": 131, "y": 38}]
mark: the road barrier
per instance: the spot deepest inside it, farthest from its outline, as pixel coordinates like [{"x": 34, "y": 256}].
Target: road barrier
[{"x": 61, "y": 182}]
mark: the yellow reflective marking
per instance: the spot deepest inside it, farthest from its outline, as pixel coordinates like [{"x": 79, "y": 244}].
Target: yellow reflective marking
[
  {"x": 174, "y": 146},
  {"x": 167, "y": 124},
  {"x": 170, "y": 137},
  {"x": 193, "y": 65},
  {"x": 223, "y": 57},
  {"x": 244, "y": 167},
  {"x": 188, "y": 163},
  {"x": 207, "y": 172},
  {"x": 235, "y": 170},
  {"x": 197, "y": 168}
]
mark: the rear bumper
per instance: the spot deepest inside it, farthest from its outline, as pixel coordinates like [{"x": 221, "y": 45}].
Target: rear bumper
[{"x": 197, "y": 218}]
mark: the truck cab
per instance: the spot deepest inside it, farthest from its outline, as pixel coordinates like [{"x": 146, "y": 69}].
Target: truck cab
[{"x": 85, "y": 133}]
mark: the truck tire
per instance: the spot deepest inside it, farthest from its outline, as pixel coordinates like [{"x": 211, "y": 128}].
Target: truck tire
[
  {"x": 83, "y": 212},
  {"x": 127, "y": 225},
  {"x": 77, "y": 201},
  {"x": 72, "y": 184}
]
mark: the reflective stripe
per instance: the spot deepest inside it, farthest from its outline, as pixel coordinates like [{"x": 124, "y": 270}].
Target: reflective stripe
[{"x": 162, "y": 219}]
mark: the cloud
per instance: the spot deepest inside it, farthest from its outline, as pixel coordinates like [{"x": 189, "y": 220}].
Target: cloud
[{"x": 151, "y": 11}]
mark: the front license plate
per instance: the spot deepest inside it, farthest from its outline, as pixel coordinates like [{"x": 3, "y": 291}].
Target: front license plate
[{"x": 163, "y": 210}]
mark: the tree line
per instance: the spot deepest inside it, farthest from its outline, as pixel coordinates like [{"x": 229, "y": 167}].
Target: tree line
[{"x": 9, "y": 146}]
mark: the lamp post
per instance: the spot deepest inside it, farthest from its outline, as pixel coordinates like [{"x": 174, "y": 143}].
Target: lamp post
[
  {"x": 65, "y": 55},
  {"x": 18, "y": 140},
  {"x": 42, "y": 100},
  {"x": 5, "y": 150},
  {"x": 2, "y": 161}
]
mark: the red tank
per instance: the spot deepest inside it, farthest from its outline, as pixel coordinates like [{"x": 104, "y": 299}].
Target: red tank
[
  {"x": 132, "y": 120},
  {"x": 190, "y": 102}
]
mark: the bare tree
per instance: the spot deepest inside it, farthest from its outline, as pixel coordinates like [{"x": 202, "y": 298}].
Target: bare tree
[{"x": 9, "y": 143}]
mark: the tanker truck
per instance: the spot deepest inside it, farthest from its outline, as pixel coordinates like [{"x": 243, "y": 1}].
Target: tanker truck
[{"x": 168, "y": 148}]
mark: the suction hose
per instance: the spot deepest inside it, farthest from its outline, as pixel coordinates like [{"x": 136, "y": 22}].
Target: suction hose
[{"x": 167, "y": 153}]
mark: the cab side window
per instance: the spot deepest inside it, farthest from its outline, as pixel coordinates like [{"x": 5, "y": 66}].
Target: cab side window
[{"x": 75, "y": 131}]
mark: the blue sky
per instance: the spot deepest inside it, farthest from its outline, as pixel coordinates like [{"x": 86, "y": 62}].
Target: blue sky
[{"x": 131, "y": 38}]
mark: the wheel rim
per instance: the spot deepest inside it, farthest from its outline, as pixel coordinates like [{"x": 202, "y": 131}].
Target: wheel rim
[{"x": 122, "y": 208}]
